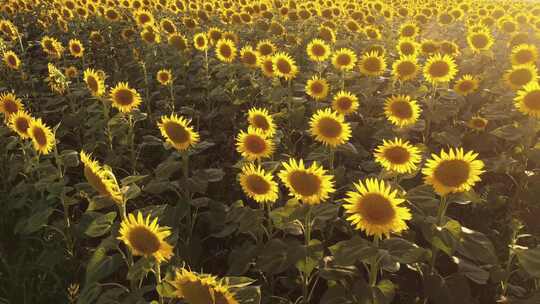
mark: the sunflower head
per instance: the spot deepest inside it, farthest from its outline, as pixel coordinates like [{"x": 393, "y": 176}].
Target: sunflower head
[
  {"x": 201, "y": 288},
  {"x": 345, "y": 103},
  {"x": 258, "y": 184},
  {"x": 225, "y": 50},
  {"x": 311, "y": 184},
  {"x": 398, "y": 156},
  {"x": 10, "y": 104},
  {"x": 524, "y": 54},
  {"x": 479, "y": 41},
  {"x": 477, "y": 123},
  {"x": 19, "y": 122},
  {"x": 344, "y": 59},
  {"x": 178, "y": 132},
  {"x": 405, "y": 68},
  {"x": 284, "y": 66},
  {"x": 401, "y": 110},
  {"x": 449, "y": 48},
  {"x": 527, "y": 100},
  {"x": 101, "y": 178},
  {"x": 42, "y": 137},
  {"x": 429, "y": 47},
  {"x": 52, "y": 47},
  {"x": 520, "y": 75},
  {"x": 124, "y": 98},
  {"x": 407, "y": 47},
  {"x": 260, "y": 119},
  {"x": 11, "y": 60},
  {"x": 76, "y": 48},
  {"x": 254, "y": 145},
  {"x": 164, "y": 77},
  {"x": 409, "y": 30},
  {"x": 267, "y": 66},
  {"x": 372, "y": 64},
  {"x": 167, "y": 25},
  {"x": 178, "y": 42},
  {"x": 266, "y": 48},
  {"x": 94, "y": 82},
  {"x": 200, "y": 41},
  {"x": 318, "y": 50},
  {"x": 440, "y": 69},
  {"x": 249, "y": 57},
  {"x": 329, "y": 128},
  {"x": 317, "y": 88}
]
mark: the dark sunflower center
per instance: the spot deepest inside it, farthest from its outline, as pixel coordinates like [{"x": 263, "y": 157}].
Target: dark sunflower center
[
  {"x": 255, "y": 144},
  {"x": 406, "y": 48},
  {"x": 397, "y": 155},
  {"x": 124, "y": 97},
  {"x": 225, "y": 50},
  {"x": 439, "y": 69},
  {"x": 257, "y": 184},
  {"x": 178, "y": 43},
  {"x": 317, "y": 88},
  {"x": 111, "y": 14},
  {"x": 304, "y": 183},
  {"x": 466, "y": 86},
  {"x": 429, "y": 48},
  {"x": 480, "y": 123},
  {"x": 524, "y": 56},
  {"x": 343, "y": 59},
  {"x": 329, "y": 127},
  {"x": 376, "y": 209},
  {"x": 201, "y": 42},
  {"x": 318, "y": 50},
  {"x": 532, "y": 100},
  {"x": 40, "y": 137},
  {"x": 143, "y": 240},
  {"x": 95, "y": 181},
  {"x": 249, "y": 58},
  {"x": 408, "y": 31},
  {"x": 372, "y": 64},
  {"x": 344, "y": 103},
  {"x": 164, "y": 77},
  {"x": 168, "y": 27},
  {"x": 268, "y": 66},
  {"x": 452, "y": 173},
  {"x": 401, "y": 109},
  {"x": 144, "y": 18},
  {"x": 149, "y": 36},
  {"x": 92, "y": 83},
  {"x": 521, "y": 77},
  {"x": 479, "y": 41},
  {"x": 283, "y": 66},
  {"x": 12, "y": 61},
  {"x": 176, "y": 133},
  {"x": 371, "y": 34},
  {"x": 265, "y": 49},
  {"x": 10, "y": 106},
  {"x": 22, "y": 124},
  {"x": 259, "y": 121},
  {"x": 406, "y": 68}
]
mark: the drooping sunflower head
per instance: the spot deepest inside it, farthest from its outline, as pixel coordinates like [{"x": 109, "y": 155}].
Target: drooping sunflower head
[
  {"x": 311, "y": 184},
  {"x": 527, "y": 100},
  {"x": 524, "y": 54},
  {"x": 466, "y": 85},
  {"x": 178, "y": 132},
  {"x": 453, "y": 171},
  {"x": 266, "y": 48},
  {"x": 344, "y": 59},
  {"x": 164, "y": 77},
  {"x": 10, "y": 104},
  {"x": 94, "y": 83},
  {"x": 150, "y": 34},
  {"x": 477, "y": 123},
  {"x": 225, "y": 50},
  {"x": 19, "y": 122},
  {"x": 520, "y": 75},
  {"x": 329, "y": 128},
  {"x": 42, "y": 137},
  {"x": 249, "y": 57},
  {"x": 262, "y": 120},
  {"x": 167, "y": 25},
  {"x": 401, "y": 110},
  {"x": 318, "y": 50},
  {"x": 144, "y": 237},
  {"x": 201, "y": 288},
  {"x": 345, "y": 103},
  {"x": 376, "y": 209},
  {"x": 101, "y": 178},
  {"x": 405, "y": 68},
  {"x": 284, "y": 66},
  {"x": 200, "y": 41},
  {"x": 267, "y": 66},
  {"x": 258, "y": 184},
  {"x": 124, "y": 98},
  {"x": 11, "y": 60},
  {"x": 479, "y": 41},
  {"x": 254, "y": 145},
  {"x": 398, "y": 156},
  {"x": 440, "y": 68},
  {"x": 317, "y": 88},
  {"x": 372, "y": 64},
  {"x": 407, "y": 47},
  {"x": 76, "y": 48}
]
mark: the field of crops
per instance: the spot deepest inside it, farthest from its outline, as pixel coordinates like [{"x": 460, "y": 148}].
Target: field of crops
[{"x": 269, "y": 151}]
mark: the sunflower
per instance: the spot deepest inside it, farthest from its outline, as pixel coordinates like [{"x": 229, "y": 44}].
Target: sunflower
[
  {"x": 200, "y": 41},
  {"x": 375, "y": 208},
  {"x": 124, "y": 98},
  {"x": 409, "y": 30},
  {"x": 253, "y": 144},
  {"x": 524, "y": 54},
  {"x": 11, "y": 60},
  {"x": 407, "y": 47},
  {"x": 215, "y": 34},
  {"x": 150, "y": 35},
  {"x": 345, "y": 103},
  {"x": 101, "y": 178},
  {"x": 71, "y": 72},
  {"x": 249, "y": 56},
  {"x": 398, "y": 156},
  {"x": 327, "y": 34},
  {"x": 478, "y": 123},
  {"x": 317, "y": 88},
  {"x": 177, "y": 131},
  {"x": 466, "y": 85},
  {"x": 284, "y": 66},
  {"x": 344, "y": 59},
  {"x": 480, "y": 40},
  {"x": 527, "y": 100},
  {"x": 164, "y": 77},
  {"x": 318, "y": 50},
  {"x": 143, "y": 17},
  {"x": 266, "y": 48},
  {"x": 42, "y": 137},
  {"x": 329, "y": 128},
  {"x": 76, "y": 48},
  {"x": 201, "y": 288},
  {"x": 429, "y": 47},
  {"x": 405, "y": 68},
  {"x": 520, "y": 75},
  {"x": 401, "y": 110},
  {"x": 144, "y": 237},
  {"x": 260, "y": 119},
  {"x": 19, "y": 122},
  {"x": 449, "y": 48},
  {"x": 167, "y": 25},
  {"x": 455, "y": 171},
  {"x": 52, "y": 47},
  {"x": 372, "y": 32},
  {"x": 310, "y": 185},
  {"x": 440, "y": 68},
  {"x": 225, "y": 50},
  {"x": 94, "y": 82},
  {"x": 257, "y": 184},
  {"x": 372, "y": 64},
  {"x": 10, "y": 104},
  {"x": 178, "y": 42},
  {"x": 267, "y": 66}
]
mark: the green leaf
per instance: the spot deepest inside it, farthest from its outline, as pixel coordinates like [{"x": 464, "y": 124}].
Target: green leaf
[
  {"x": 100, "y": 225},
  {"x": 34, "y": 222},
  {"x": 403, "y": 251},
  {"x": 508, "y": 132},
  {"x": 477, "y": 247},
  {"x": 140, "y": 269},
  {"x": 101, "y": 265},
  {"x": 311, "y": 255},
  {"x": 529, "y": 259},
  {"x": 350, "y": 251},
  {"x": 471, "y": 271},
  {"x": 384, "y": 292},
  {"x": 70, "y": 158},
  {"x": 132, "y": 179}
]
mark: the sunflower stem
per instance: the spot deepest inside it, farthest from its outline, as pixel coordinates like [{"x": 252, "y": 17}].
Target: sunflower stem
[
  {"x": 158, "y": 280},
  {"x": 171, "y": 92},
  {"x": 131, "y": 136},
  {"x": 106, "y": 116},
  {"x": 440, "y": 219},
  {"x": 332, "y": 157},
  {"x": 307, "y": 239},
  {"x": 146, "y": 89},
  {"x": 63, "y": 201},
  {"x": 374, "y": 267}
]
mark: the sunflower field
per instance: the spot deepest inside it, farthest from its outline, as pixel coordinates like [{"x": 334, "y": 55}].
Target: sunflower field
[{"x": 269, "y": 151}]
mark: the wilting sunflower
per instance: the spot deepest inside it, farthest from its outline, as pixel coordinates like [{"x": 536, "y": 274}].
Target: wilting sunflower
[
  {"x": 524, "y": 54},
  {"x": 318, "y": 50},
  {"x": 258, "y": 184},
  {"x": 375, "y": 208},
  {"x": 372, "y": 64},
  {"x": 398, "y": 156},
  {"x": 225, "y": 50},
  {"x": 317, "y": 88},
  {"x": 520, "y": 75},
  {"x": 94, "y": 82},
  {"x": 284, "y": 66},
  {"x": 260, "y": 119},
  {"x": 42, "y": 137},
  {"x": 253, "y": 144},
  {"x": 455, "y": 171},
  {"x": 466, "y": 85},
  {"x": 345, "y": 103},
  {"x": 310, "y": 185},
  {"x": 11, "y": 60},
  {"x": 249, "y": 56},
  {"x": 178, "y": 132},
  {"x": 440, "y": 68},
  {"x": 479, "y": 41},
  {"x": 267, "y": 66},
  {"x": 19, "y": 122},
  {"x": 329, "y": 128},
  {"x": 144, "y": 237},
  {"x": 10, "y": 104},
  {"x": 101, "y": 178},
  {"x": 164, "y": 77},
  {"x": 405, "y": 68},
  {"x": 344, "y": 59},
  {"x": 76, "y": 48},
  {"x": 401, "y": 110},
  {"x": 407, "y": 47},
  {"x": 478, "y": 123},
  {"x": 124, "y": 98},
  {"x": 266, "y": 48},
  {"x": 200, "y": 41},
  {"x": 527, "y": 100}
]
